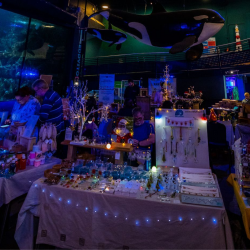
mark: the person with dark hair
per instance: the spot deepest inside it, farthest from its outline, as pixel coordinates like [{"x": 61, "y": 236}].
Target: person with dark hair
[
  {"x": 144, "y": 133},
  {"x": 24, "y": 107},
  {"x": 127, "y": 109},
  {"x": 131, "y": 91}
]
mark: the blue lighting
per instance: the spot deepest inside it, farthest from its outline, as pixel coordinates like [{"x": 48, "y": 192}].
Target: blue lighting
[
  {"x": 105, "y": 214},
  {"x": 43, "y": 190},
  {"x": 35, "y": 185},
  {"x": 60, "y": 199},
  {"x": 214, "y": 221},
  {"x": 77, "y": 205},
  {"x": 68, "y": 201},
  {"x": 50, "y": 195},
  {"x": 180, "y": 219},
  {"x": 126, "y": 218},
  {"x": 137, "y": 222},
  {"x": 29, "y": 73},
  {"x": 86, "y": 208}
]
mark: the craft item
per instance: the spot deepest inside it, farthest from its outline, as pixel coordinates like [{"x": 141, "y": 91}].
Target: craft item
[
  {"x": 195, "y": 157},
  {"x": 19, "y": 155},
  {"x": 37, "y": 163},
  {"x": 32, "y": 155},
  {"x": 185, "y": 153},
  {"x": 163, "y": 156},
  {"x": 13, "y": 167},
  {"x": 23, "y": 162},
  {"x": 17, "y": 164},
  {"x": 31, "y": 162},
  {"x": 36, "y": 148},
  {"x": 42, "y": 160},
  {"x": 202, "y": 191},
  {"x": 39, "y": 154},
  {"x": 199, "y": 138},
  {"x": 201, "y": 200}
]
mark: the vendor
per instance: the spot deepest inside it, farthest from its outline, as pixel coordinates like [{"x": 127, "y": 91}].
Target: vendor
[
  {"x": 24, "y": 107},
  {"x": 247, "y": 98},
  {"x": 144, "y": 134},
  {"x": 51, "y": 110},
  {"x": 131, "y": 91}
]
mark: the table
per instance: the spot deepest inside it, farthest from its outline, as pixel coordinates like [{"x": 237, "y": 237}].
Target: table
[
  {"x": 70, "y": 218},
  {"x": 243, "y": 132},
  {"x": 21, "y": 182},
  {"x": 244, "y": 207},
  {"x": 229, "y": 132},
  {"x": 72, "y": 149}
]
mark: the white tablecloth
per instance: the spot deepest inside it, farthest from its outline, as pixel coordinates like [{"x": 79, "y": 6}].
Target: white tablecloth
[
  {"x": 229, "y": 132},
  {"x": 76, "y": 219},
  {"x": 21, "y": 182}
]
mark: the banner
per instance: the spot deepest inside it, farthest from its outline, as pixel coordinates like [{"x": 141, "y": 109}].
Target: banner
[{"x": 106, "y": 88}]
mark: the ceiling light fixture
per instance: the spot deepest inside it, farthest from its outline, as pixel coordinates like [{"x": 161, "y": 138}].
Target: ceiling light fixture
[{"x": 105, "y": 6}]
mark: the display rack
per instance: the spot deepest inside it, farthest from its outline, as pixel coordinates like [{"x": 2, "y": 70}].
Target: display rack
[{"x": 181, "y": 138}]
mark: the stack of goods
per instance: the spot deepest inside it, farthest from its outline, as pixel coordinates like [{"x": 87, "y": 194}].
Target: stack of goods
[
  {"x": 198, "y": 186},
  {"x": 47, "y": 138},
  {"x": 11, "y": 163},
  {"x": 226, "y": 104},
  {"x": 36, "y": 157}
]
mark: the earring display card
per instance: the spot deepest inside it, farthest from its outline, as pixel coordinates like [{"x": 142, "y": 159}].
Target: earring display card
[
  {"x": 201, "y": 200},
  {"x": 181, "y": 138}
]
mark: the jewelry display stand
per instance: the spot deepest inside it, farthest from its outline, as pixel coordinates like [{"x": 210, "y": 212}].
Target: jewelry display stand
[{"x": 181, "y": 138}]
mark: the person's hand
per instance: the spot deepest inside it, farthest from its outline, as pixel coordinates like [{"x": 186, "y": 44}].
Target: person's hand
[
  {"x": 135, "y": 143},
  {"x": 8, "y": 122}
]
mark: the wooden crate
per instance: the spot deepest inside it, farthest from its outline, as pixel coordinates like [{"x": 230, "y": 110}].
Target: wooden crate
[{"x": 28, "y": 142}]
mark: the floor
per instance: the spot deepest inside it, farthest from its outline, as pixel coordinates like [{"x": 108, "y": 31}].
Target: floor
[{"x": 234, "y": 215}]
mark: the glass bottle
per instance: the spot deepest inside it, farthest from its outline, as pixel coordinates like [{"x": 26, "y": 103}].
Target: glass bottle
[{"x": 23, "y": 162}]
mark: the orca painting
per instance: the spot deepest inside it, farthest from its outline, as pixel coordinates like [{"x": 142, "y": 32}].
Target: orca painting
[
  {"x": 178, "y": 30},
  {"x": 109, "y": 36}
]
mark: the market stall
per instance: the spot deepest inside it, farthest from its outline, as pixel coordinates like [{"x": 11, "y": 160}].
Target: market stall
[
  {"x": 70, "y": 218},
  {"x": 240, "y": 182},
  {"x": 104, "y": 205}
]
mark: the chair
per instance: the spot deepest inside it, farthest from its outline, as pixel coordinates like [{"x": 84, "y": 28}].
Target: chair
[{"x": 219, "y": 150}]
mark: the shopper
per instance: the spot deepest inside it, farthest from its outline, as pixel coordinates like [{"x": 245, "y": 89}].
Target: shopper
[
  {"x": 144, "y": 133},
  {"x": 127, "y": 109},
  {"x": 131, "y": 91}
]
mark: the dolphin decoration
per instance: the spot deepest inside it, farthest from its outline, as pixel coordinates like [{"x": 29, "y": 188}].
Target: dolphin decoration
[
  {"x": 179, "y": 31},
  {"x": 109, "y": 36}
]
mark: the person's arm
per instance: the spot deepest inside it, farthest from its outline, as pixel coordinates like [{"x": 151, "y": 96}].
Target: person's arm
[
  {"x": 126, "y": 93},
  {"x": 147, "y": 142},
  {"x": 45, "y": 110}
]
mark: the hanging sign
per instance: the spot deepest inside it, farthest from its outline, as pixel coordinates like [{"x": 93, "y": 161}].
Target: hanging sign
[{"x": 106, "y": 88}]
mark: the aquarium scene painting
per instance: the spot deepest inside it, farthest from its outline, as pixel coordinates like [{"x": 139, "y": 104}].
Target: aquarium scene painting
[{"x": 28, "y": 48}]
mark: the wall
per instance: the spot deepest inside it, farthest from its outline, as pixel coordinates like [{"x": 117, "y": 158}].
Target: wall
[{"x": 235, "y": 12}]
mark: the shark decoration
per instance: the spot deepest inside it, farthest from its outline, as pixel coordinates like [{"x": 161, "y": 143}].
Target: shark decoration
[
  {"x": 109, "y": 36},
  {"x": 179, "y": 31}
]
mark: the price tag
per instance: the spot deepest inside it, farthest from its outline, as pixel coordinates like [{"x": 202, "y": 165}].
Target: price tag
[{"x": 117, "y": 155}]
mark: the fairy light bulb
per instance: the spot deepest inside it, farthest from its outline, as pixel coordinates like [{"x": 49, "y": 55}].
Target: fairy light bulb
[
  {"x": 108, "y": 146},
  {"x": 154, "y": 169}
]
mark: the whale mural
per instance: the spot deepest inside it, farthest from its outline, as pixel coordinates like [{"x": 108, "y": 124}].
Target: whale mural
[{"x": 179, "y": 31}]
